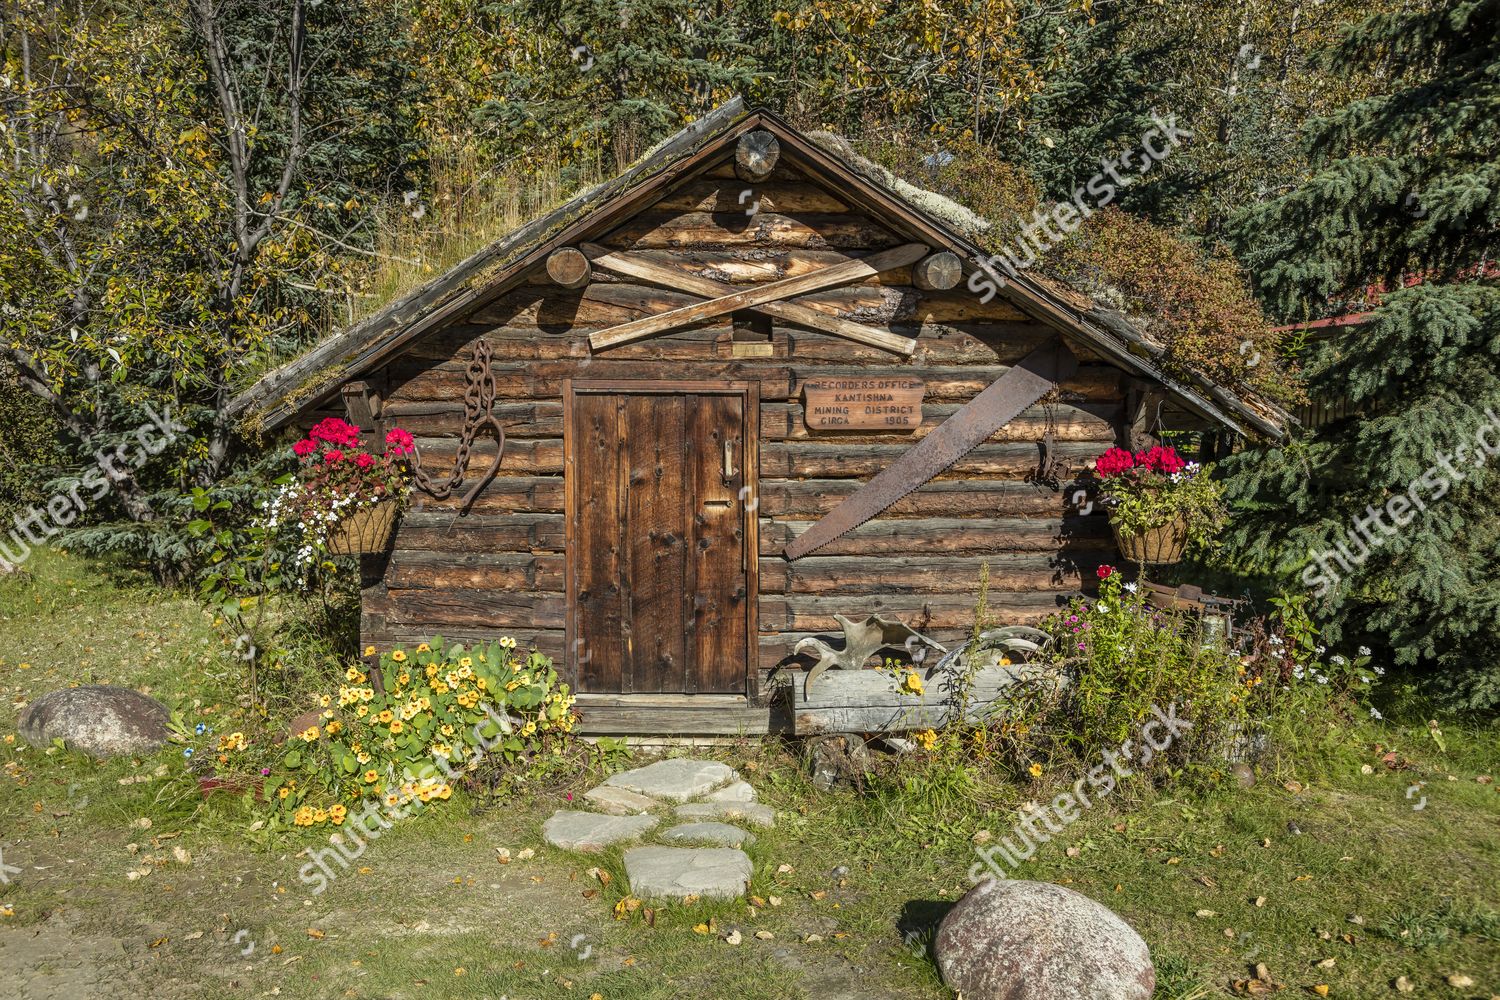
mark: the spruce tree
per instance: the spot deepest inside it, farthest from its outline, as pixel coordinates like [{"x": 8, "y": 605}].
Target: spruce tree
[{"x": 1388, "y": 517}]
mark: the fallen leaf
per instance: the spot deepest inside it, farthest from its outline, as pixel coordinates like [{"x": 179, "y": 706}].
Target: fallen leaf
[
  {"x": 733, "y": 937},
  {"x": 315, "y": 934},
  {"x": 820, "y": 894},
  {"x": 193, "y": 936},
  {"x": 1404, "y": 985},
  {"x": 757, "y": 901},
  {"x": 1327, "y": 963},
  {"x": 774, "y": 900},
  {"x": 784, "y": 869},
  {"x": 159, "y": 942},
  {"x": 1205, "y": 914},
  {"x": 1321, "y": 989},
  {"x": 812, "y": 939},
  {"x": 764, "y": 936},
  {"x": 700, "y": 928},
  {"x": 1295, "y": 787},
  {"x": 1260, "y": 901},
  {"x": 1459, "y": 981}
]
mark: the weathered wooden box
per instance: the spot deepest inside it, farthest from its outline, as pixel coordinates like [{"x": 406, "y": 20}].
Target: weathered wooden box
[{"x": 870, "y": 701}]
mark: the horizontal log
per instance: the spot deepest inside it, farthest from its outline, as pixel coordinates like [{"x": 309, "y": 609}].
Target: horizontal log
[
  {"x": 971, "y": 535},
  {"x": 891, "y": 305},
  {"x": 518, "y": 381},
  {"x": 986, "y": 343},
  {"x": 792, "y": 459},
  {"x": 725, "y": 171},
  {"x": 817, "y": 459},
  {"x": 636, "y": 715},
  {"x": 503, "y": 495},
  {"x": 513, "y": 571},
  {"x": 729, "y": 196},
  {"x": 867, "y": 701},
  {"x": 918, "y": 575},
  {"x": 1093, "y": 422},
  {"x": 437, "y": 531},
  {"x": 800, "y": 499},
  {"x": 442, "y": 609},
  {"x": 810, "y": 612},
  {"x": 375, "y": 631},
  {"x": 708, "y": 229},
  {"x": 779, "y": 421}
]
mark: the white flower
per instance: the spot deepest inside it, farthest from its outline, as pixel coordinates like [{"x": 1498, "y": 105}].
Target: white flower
[
  {"x": 1322, "y": 678},
  {"x": 1380, "y": 671},
  {"x": 1130, "y": 588},
  {"x": 1102, "y": 607},
  {"x": 1364, "y": 651},
  {"x": 1375, "y": 714},
  {"x": 1320, "y": 650},
  {"x": 1337, "y": 659}
]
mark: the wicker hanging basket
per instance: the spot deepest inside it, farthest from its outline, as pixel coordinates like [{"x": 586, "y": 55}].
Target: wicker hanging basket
[
  {"x": 367, "y": 530},
  {"x": 1160, "y": 546}
]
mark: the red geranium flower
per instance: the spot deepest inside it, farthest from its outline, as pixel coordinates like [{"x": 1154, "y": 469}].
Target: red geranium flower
[
  {"x": 335, "y": 432},
  {"x": 304, "y": 448},
  {"x": 364, "y": 460},
  {"x": 333, "y": 455},
  {"x": 1114, "y": 462},
  {"x": 398, "y": 441},
  {"x": 1104, "y": 572}
]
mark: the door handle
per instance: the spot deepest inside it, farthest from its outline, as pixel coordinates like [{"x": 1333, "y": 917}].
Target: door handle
[{"x": 729, "y": 470}]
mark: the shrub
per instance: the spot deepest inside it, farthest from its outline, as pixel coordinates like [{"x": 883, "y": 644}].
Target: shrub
[
  {"x": 403, "y": 732},
  {"x": 1125, "y": 656}
]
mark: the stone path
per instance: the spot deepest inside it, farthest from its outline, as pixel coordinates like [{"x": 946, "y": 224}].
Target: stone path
[{"x": 706, "y": 794}]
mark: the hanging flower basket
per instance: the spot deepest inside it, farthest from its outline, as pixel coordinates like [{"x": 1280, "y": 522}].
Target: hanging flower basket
[
  {"x": 1161, "y": 546},
  {"x": 367, "y": 530},
  {"x": 1158, "y": 503},
  {"x": 345, "y": 498}
]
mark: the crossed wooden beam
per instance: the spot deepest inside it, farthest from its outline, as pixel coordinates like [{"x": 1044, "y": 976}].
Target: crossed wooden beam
[{"x": 770, "y": 298}]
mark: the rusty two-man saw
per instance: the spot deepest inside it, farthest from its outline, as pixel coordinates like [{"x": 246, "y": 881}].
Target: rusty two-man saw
[{"x": 968, "y": 427}]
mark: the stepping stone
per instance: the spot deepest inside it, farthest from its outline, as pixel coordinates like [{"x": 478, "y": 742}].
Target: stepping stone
[
  {"x": 740, "y": 791},
  {"x": 679, "y": 779},
  {"x": 619, "y": 801},
  {"x": 752, "y": 812},
  {"x": 717, "y": 834},
  {"x": 581, "y": 831},
  {"x": 679, "y": 872}
]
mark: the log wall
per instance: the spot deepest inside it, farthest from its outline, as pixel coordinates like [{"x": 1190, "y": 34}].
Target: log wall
[{"x": 501, "y": 568}]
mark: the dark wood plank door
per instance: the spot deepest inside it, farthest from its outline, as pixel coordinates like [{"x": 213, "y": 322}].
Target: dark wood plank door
[{"x": 661, "y": 537}]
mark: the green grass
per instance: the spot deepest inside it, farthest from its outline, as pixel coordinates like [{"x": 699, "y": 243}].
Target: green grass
[{"x": 429, "y": 898}]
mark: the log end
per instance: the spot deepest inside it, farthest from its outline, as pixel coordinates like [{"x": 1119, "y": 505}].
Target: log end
[{"x": 569, "y": 268}]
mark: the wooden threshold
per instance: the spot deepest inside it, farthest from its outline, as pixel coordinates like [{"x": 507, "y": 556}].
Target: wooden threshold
[{"x": 672, "y": 715}]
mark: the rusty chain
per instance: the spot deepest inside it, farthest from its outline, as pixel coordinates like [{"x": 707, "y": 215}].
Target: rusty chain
[{"x": 479, "y": 405}]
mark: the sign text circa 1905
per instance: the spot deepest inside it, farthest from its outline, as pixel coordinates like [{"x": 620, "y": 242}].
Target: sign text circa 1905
[{"x": 863, "y": 404}]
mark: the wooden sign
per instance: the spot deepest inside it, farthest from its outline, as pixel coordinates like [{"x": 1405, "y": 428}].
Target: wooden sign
[{"x": 862, "y": 404}]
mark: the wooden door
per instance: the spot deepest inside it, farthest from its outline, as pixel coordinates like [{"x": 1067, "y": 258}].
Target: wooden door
[{"x": 661, "y": 536}]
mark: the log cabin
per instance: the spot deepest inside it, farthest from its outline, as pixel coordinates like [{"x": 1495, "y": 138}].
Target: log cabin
[{"x": 673, "y": 427}]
